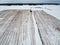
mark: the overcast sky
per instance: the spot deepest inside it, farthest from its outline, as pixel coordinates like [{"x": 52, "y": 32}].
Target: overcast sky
[{"x": 29, "y": 1}]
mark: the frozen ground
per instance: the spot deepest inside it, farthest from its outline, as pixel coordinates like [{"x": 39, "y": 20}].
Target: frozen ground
[{"x": 54, "y": 10}]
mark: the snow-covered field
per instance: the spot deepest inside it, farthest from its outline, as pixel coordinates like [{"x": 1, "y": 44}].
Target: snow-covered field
[{"x": 54, "y": 10}]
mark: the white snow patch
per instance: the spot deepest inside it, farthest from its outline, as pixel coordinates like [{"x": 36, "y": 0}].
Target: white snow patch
[{"x": 37, "y": 37}]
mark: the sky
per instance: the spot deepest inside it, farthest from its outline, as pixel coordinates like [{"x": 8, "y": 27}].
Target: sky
[{"x": 29, "y": 1}]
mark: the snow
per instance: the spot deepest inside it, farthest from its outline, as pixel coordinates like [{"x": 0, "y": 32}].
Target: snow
[
  {"x": 37, "y": 37},
  {"x": 53, "y": 10}
]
